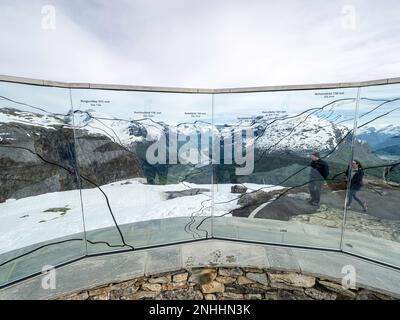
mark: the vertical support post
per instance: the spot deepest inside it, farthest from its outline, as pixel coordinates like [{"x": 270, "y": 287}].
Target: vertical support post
[
  {"x": 212, "y": 167},
  {"x": 355, "y": 124},
  {"x": 77, "y": 171}
]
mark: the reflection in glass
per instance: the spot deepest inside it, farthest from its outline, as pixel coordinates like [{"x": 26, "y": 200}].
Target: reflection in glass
[
  {"x": 302, "y": 146},
  {"x": 372, "y": 224},
  {"x": 87, "y": 171},
  {"x": 145, "y": 178},
  {"x": 40, "y": 211}
]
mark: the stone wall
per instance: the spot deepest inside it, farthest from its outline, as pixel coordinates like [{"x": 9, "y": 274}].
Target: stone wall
[{"x": 226, "y": 284}]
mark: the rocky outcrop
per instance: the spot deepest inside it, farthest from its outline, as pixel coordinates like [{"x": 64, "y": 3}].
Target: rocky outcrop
[
  {"x": 238, "y": 189},
  {"x": 36, "y": 160},
  {"x": 226, "y": 284},
  {"x": 185, "y": 193},
  {"x": 104, "y": 161},
  {"x": 256, "y": 198}
]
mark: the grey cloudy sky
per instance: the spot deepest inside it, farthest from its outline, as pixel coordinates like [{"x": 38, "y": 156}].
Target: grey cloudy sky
[{"x": 202, "y": 43}]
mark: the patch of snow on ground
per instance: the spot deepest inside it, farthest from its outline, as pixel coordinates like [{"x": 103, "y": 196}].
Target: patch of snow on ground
[{"x": 25, "y": 222}]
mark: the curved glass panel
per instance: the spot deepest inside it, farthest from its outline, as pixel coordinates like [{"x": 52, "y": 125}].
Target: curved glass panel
[
  {"x": 145, "y": 171},
  {"x": 40, "y": 211},
  {"x": 272, "y": 191},
  {"x": 90, "y": 171},
  {"x": 373, "y": 216}
]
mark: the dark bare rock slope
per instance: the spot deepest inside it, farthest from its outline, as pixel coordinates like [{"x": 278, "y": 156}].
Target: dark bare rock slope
[{"x": 40, "y": 159}]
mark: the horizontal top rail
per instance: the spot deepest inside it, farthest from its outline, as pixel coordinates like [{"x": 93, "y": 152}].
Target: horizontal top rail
[{"x": 73, "y": 85}]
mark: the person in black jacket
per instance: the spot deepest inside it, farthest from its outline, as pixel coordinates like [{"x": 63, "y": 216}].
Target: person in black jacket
[
  {"x": 356, "y": 181},
  {"x": 318, "y": 173}
]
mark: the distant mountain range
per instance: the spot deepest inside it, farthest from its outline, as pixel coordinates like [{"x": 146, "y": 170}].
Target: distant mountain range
[
  {"x": 302, "y": 134},
  {"x": 37, "y": 156},
  {"x": 383, "y": 140},
  {"x": 110, "y": 149}
]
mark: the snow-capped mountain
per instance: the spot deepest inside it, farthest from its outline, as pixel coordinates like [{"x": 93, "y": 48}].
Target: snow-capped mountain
[
  {"x": 11, "y": 115},
  {"x": 122, "y": 131},
  {"x": 384, "y": 140},
  {"x": 388, "y": 130},
  {"x": 300, "y": 134}
]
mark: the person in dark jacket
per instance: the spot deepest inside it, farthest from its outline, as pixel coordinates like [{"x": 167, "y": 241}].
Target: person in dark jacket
[
  {"x": 356, "y": 181},
  {"x": 318, "y": 173}
]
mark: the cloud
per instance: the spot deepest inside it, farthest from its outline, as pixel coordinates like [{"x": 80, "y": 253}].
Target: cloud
[{"x": 201, "y": 43}]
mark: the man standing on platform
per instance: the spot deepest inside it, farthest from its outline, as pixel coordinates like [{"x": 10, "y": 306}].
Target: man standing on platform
[{"x": 318, "y": 174}]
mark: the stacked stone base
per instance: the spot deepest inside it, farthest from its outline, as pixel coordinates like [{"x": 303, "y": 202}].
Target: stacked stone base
[{"x": 226, "y": 284}]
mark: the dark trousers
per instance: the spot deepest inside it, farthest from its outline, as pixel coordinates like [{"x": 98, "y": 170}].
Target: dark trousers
[
  {"x": 315, "y": 190},
  {"x": 353, "y": 195}
]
